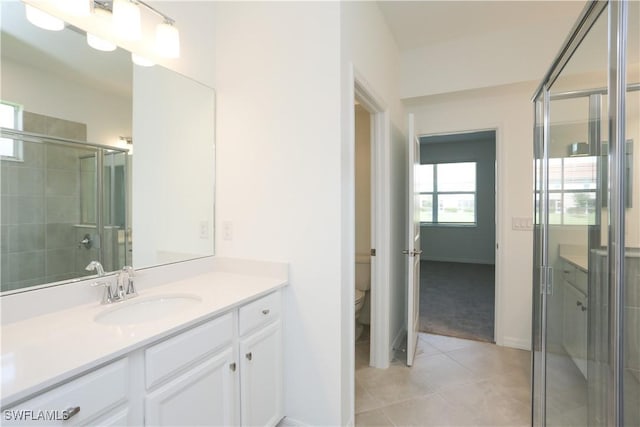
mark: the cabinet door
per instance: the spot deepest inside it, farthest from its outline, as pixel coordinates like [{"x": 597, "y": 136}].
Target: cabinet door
[
  {"x": 203, "y": 396},
  {"x": 261, "y": 376},
  {"x": 575, "y": 326}
]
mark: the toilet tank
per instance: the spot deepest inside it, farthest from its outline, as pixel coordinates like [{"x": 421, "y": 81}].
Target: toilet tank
[{"x": 363, "y": 272}]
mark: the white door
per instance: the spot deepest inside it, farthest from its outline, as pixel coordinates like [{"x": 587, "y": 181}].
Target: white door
[{"x": 413, "y": 239}]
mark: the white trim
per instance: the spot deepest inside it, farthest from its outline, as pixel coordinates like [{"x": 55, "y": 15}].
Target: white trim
[
  {"x": 291, "y": 422},
  {"x": 516, "y": 343},
  {"x": 499, "y": 214},
  {"x": 380, "y": 220}
]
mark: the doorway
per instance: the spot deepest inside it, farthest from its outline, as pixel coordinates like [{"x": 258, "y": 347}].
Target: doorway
[{"x": 458, "y": 218}]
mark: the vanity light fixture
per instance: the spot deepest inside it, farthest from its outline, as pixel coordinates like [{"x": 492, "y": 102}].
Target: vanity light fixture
[
  {"x": 141, "y": 60},
  {"x": 42, "y": 19},
  {"x": 126, "y": 19},
  {"x": 167, "y": 39},
  {"x": 96, "y": 42},
  {"x": 77, "y": 7}
]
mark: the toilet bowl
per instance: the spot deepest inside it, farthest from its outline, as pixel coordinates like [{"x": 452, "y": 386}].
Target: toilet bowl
[{"x": 363, "y": 285}]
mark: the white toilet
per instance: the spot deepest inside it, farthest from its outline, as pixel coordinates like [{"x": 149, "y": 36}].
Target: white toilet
[{"x": 363, "y": 285}]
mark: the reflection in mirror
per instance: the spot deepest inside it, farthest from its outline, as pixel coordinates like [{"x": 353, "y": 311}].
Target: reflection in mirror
[{"x": 67, "y": 158}]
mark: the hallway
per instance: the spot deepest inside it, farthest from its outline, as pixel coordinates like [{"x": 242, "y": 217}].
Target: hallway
[{"x": 454, "y": 382}]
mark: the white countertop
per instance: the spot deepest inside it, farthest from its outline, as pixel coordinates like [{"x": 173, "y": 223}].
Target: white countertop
[
  {"x": 580, "y": 261},
  {"x": 42, "y": 351}
]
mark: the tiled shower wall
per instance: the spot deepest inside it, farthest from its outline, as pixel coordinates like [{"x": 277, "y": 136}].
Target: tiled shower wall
[{"x": 40, "y": 205}]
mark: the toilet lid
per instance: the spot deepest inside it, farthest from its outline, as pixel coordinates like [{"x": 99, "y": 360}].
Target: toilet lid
[{"x": 359, "y": 294}]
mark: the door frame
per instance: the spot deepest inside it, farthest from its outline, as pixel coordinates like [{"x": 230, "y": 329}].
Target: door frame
[
  {"x": 498, "y": 206},
  {"x": 380, "y": 341}
]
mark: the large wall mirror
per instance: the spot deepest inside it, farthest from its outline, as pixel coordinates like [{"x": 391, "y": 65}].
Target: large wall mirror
[{"x": 100, "y": 159}]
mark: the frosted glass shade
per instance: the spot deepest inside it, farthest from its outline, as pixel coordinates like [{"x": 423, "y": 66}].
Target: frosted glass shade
[
  {"x": 167, "y": 40},
  {"x": 126, "y": 19},
  {"x": 141, "y": 60},
  {"x": 77, "y": 7},
  {"x": 100, "y": 44},
  {"x": 42, "y": 19}
]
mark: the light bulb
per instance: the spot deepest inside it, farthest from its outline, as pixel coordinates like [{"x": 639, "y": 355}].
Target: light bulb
[
  {"x": 100, "y": 44},
  {"x": 167, "y": 40},
  {"x": 42, "y": 19},
  {"x": 126, "y": 19},
  {"x": 141, "y": 60}
]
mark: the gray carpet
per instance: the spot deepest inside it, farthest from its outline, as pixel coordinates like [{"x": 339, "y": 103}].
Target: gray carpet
[{"x": 457, "y": 299}]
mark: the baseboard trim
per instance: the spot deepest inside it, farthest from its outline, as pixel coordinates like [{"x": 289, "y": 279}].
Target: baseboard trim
[
  {"x": 518, "y": 343},
  {"x": 460, "y": 260},
  {"x": 291, "y": 422}
]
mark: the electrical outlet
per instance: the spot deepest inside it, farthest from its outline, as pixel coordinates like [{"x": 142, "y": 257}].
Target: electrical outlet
[{"x": 227, "y": 230}]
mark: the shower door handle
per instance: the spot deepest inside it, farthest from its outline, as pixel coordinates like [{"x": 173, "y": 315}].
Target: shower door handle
[{"x": 411, "y": 253}]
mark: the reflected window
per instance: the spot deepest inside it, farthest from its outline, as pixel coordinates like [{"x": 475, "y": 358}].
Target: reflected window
[
  {"x": 448, "y": 193},
  {"x": 11, "y": 118},
  {"x": 572, "y": 190}
]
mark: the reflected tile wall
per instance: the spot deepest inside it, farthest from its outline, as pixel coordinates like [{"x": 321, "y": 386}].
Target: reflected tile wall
[{"x": 40, "y": 202}]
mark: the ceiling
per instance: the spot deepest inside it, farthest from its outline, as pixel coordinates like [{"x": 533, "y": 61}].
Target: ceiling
[{"x": 415, "y": 24}]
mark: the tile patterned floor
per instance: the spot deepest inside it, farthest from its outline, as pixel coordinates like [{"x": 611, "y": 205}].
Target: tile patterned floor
[{"x": 454, "y": 382}]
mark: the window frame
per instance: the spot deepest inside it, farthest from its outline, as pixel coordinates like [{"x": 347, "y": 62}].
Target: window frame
[
  {"x": 434, "y": 198},
  {"x": 18, "y": 152}
]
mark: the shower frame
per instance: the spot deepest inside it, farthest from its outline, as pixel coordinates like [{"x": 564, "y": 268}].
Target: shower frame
[
  {"x": 101, "y": 151},
  {"x": 542, "y": 272}
]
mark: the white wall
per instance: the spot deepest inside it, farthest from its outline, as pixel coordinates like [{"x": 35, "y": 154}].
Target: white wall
[
  {"x": 368, "y": 48},
  {"x": 278, "y": 174},
  {"x": 54, "y": 95},
  {"x": 508, "y": 110}
]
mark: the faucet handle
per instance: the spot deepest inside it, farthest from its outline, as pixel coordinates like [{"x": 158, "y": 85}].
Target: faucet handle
[
  {"x": 107, "y": 297},
  {"x": 128, "y": 272}
]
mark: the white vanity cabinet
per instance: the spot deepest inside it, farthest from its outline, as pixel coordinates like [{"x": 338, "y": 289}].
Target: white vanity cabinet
[
  {"x": 574, "y": 310},
  {"x": 226, "y": 371},
  {"x": 190, "y": 379},
  {"x": 100, "y": 397},
  {"x": 261, "y": 362}
]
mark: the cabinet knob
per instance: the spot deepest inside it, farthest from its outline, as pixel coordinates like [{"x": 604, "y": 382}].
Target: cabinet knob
[
  {"x": 70, "y": 412},
  {"x": 232, "y": 366},
  {"x": 249, "y": 356},
  {"x": 266, "y": 311}
]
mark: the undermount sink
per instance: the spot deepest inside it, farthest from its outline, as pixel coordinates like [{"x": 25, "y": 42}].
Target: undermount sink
[{"x": 141, "y": 310}]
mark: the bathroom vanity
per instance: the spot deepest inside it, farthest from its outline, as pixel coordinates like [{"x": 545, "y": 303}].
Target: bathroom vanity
[{"x": 206, "y": 350}]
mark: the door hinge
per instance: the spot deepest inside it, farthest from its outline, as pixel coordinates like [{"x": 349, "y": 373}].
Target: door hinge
[
  {"x": 546, "y": 277},
  {"x": 373, "y": 252}
]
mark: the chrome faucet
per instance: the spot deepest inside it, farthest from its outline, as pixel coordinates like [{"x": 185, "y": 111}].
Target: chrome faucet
[
  {"x": 124, "y": 287},
  {"x": 95, "y": 266}
]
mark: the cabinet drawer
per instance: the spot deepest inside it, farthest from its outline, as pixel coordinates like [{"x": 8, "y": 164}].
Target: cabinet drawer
[
  {"x": 94, "y": 393},
  {"x": 569, "y": 272},
  {"x": 260, "y": 312},
  {"x": 169, "y": 357},
  {"x": 581, "y": 281}
]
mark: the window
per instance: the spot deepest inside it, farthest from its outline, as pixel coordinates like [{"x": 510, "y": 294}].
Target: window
[
  {"x": 10, "y": 117},
  {"x": 448, "y": 193},
  {"x": 572, "y": 190}
]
